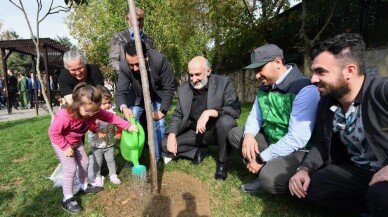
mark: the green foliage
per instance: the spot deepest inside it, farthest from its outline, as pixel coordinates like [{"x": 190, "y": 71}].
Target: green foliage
[
  {"x": 65, "y": 41},
  {"x": 225, "y": 31},
  {"x": 15, "y": 60}
]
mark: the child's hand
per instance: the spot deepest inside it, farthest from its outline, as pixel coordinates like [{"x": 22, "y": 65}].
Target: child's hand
[
  {"x": 118, "y": 136},
  {"x": 101, "y": 135},
  {"x": 69, "y": 152},
  {"x": 133, "y": 128}
]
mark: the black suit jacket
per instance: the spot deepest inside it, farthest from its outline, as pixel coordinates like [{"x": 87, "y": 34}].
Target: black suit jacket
[
  {"x": 221, "y": 96},
  {"x": 161, "y": 82}
]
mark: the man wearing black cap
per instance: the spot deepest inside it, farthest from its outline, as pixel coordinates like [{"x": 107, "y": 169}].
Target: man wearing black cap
[{"x": 280, "y": 124}]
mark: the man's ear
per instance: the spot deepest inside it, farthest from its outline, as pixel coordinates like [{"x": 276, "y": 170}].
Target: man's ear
[
  {"x": 209, "y": 71},
  {"x": 350, "y": 70}
]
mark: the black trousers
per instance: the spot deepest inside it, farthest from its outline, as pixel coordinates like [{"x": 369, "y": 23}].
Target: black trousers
[
  {"x": 276, "y": 173},
  {"x": 189, "y": 142},
  {"x": 346, "y": 187}
]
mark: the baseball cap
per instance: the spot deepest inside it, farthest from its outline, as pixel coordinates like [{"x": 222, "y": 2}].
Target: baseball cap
[{"x": 264, "y": 54}]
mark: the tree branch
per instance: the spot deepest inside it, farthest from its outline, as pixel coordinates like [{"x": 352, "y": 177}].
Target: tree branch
[{"x": 327, "y": 22}]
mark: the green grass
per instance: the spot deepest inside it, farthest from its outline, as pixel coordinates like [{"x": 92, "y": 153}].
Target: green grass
[{"x": 27, "y": 160}]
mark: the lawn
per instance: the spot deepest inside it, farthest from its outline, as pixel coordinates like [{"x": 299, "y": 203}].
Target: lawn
[{"x": 27, "y": 160}]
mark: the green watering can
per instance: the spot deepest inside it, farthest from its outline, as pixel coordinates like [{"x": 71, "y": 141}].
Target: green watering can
[{"x": 131, "y": 147}]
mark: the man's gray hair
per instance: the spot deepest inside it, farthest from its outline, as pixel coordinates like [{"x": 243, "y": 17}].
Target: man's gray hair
[
  {"x": 73, "y": 55},
  {"x": 207, "y": 64}
]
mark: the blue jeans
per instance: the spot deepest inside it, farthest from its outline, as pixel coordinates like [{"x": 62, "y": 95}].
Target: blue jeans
[{"x": 159, "y": 127}]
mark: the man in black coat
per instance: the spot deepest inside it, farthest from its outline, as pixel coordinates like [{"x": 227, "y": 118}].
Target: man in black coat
[
  {"x": 347, "y": 167},
  {"x": 129, "y": 95}
]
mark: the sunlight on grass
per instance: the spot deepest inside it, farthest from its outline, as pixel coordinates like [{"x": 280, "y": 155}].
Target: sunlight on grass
[{"x": 28, "y": 159}]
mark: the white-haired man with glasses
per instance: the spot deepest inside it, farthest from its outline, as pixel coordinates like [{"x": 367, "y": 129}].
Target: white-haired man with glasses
[{"x": 76, "y": 70}]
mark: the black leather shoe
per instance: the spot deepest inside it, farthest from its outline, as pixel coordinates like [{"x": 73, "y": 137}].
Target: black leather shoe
[
  {"x": 252, "y": 186},
  {"x": 200, "y": 155},
  {"x": 72, "y": 206},
  {"x": 222, "y": 172}
]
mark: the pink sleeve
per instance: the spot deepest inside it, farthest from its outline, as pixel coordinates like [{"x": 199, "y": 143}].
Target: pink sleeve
[
  {"x": 60, "y": 123},
  {"x": 113, "y": 119}
]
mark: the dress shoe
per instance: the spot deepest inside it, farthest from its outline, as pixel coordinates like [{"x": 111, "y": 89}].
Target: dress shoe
[
  {"x": 221, "y": 173},
  {"x": 252, "y": 186},
  {"x": 200, "y": 155}
]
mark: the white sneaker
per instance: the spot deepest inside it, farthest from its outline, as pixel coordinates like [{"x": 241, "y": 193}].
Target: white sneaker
[{"x": 167, "y": 158}]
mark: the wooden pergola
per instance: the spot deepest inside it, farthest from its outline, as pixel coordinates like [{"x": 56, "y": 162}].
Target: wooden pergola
[{"x": 51, "y": 53}]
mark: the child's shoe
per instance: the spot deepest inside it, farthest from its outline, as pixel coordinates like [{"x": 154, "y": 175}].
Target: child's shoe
[
  {"x": 71, "y": 206},
  {"x": 98, "y": 182},
  {"x": 91, "y": 189},
  {"x": 114, "y": 179}
]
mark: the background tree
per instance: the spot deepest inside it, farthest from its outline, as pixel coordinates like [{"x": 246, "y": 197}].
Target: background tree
[
  {"x": 65, "y": 41},
  {"x": 225, "y": 31},
  {"x": 40, "y": 16},
  {"x": 313, "y": 13},
  {"x": 16, "y": 61}
]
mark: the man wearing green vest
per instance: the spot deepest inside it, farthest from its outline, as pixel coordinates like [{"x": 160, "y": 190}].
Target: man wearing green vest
[{"x": 280, "y": 124}]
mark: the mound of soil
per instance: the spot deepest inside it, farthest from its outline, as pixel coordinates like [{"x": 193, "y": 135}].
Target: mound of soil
[{"x": 180, "y": 195}]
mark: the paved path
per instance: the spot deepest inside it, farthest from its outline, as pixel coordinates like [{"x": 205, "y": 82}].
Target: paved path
[{"x": 23, "y": 113}]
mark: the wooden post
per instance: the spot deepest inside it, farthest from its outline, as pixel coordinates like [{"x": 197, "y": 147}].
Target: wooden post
[
  {"x": 147, "y": 98},
  {"x": 4, "y": 58}
]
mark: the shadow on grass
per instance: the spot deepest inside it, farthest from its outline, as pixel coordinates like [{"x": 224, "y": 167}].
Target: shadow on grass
[{"x": 46, "y": 203}]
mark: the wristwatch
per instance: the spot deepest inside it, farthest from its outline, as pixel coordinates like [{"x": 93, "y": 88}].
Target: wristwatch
[{"x": 260, "y": 160}]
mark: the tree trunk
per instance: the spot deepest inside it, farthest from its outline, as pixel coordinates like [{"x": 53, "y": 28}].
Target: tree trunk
[{"x": 147, "y": 100}]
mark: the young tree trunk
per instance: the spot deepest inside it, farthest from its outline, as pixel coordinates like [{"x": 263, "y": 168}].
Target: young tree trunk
[{"x": 147, "y": 100}]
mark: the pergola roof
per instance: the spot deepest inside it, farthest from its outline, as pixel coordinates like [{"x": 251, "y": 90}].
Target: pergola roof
[
  {"x": 55, "y": 49},
  {"x": 51, "y": 53}
]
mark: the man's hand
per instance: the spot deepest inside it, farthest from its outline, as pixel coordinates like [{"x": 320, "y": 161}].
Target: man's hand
[
  {"x": 133, "y": 128},
  {"x": 202, "y": 121},
  {"x": 380, "y": 176},
  {"x": 254, "y": 167},
  {"x": 172, "y": 145},
  {"x": 299, "y": 184},
  {"x": 69, "y": 152},
  {"x": 157, "y": 115},
  {"x": 128, "y": 113},
  {"x": 250, "y": 148}
]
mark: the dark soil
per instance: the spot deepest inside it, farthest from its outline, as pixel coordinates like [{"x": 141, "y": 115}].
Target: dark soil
[{"x": 180, "y": 195}]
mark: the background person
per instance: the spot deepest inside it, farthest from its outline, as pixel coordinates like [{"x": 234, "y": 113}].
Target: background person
[
  {"x": 119, "y": 39},
  {"x": 31, "y": 88}
]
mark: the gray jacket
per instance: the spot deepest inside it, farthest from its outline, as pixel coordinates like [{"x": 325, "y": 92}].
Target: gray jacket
[
  {"x": 221, "y": 97},
  {"x": 116, "y": 51}
]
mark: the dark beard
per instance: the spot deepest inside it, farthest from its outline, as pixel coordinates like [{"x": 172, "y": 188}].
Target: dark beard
[{"x": 338, "y": 92}]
